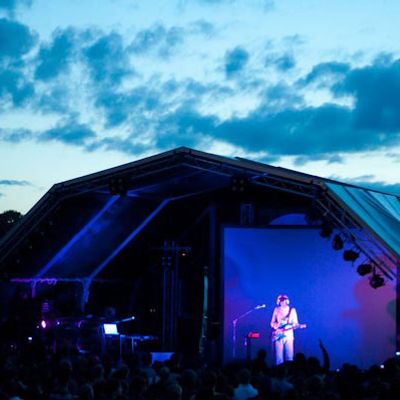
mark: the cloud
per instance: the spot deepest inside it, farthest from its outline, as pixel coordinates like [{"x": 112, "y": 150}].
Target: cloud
[
  {"x": 55, "y": 57},
  {"x": 117, "y": 144},
  {"x": 282, "y": 96},
  {"x": 119, "y": 106},
  {"x": 69, "y": 132},
  {"x": 324, "y": 130},
  {"x": 13, "y": 85},
  {"x": 375, "y": 90},
  {"x": 158, "y": 39},
  {"x": 184, "y": 127},
  {"x": 330, "y": 159},
  {"x": 107, "y": 60},
  {"x": 54, "y": 99},
  {"x": 282, "y": 124},
  {"x": 294, "y": 40},
  {"x": 394, "y": 156},
  {"x": 175, "y": 113},
  {"x": 150, "y": 102},
  {"x": 324, "y": 74},
  {"x": 235, "y": 61},
  {"x": 15, "y": 39},
  {"x": 285, "y": 62},
  {"x": 12, "y": 182},
  {"x": 11, "y": 5},
  {"x": 282, "y": 63},
  {"x": 15, "y": 135},
  {"x": 203, "y": 27}
]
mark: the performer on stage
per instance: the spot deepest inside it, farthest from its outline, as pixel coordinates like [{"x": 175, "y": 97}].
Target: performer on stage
[{"x": 284, "y": 320}]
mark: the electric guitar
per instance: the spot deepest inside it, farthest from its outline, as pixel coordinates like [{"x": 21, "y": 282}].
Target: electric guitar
[{"x": 279, "y": 333}]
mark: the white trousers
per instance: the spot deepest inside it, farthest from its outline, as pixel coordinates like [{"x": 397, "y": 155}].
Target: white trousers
[{"x": 284, "y": 350}]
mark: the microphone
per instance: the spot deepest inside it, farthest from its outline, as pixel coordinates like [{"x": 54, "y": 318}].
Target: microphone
[
  {"x": 260, "y": 306},
  {"x": 126, "y": 319}
]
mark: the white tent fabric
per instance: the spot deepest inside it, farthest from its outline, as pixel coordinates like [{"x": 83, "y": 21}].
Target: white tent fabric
[{"x": 379, "y": 211}]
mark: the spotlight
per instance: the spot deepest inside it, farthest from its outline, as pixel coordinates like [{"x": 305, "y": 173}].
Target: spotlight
[
  {"x": 376, "y": 281},
  {"x": 184, "y": 251},
  {"x": 364, "y": 269},
  {"x": 239, "y": 184},
  {"x": 337, "y": 243},
  {"x": 350, "y": 255},
  {"x": 326, "y": 230},
  {"x": 117, "y": 186}
]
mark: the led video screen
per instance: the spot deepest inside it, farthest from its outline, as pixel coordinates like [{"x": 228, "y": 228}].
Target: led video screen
[{"x": 355, "y": 322}]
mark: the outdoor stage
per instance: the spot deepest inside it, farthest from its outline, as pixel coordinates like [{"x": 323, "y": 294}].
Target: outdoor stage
[{"x": 194, "y": 245}]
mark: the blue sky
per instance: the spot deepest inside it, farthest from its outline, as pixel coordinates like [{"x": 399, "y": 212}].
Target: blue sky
[{"x": 85, "y": 85}]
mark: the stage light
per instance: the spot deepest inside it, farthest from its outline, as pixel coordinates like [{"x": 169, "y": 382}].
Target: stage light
[
  {"x": 350, "y": 255},
  {"x": 337, "y": 243},
  {"x": 117, "y": 186},
  {"x": 376, "y": 281},
  {"x": 326, "y": 230},
  {"x": 43, "y": 324},
  {"x": 364, "y": 269},
  {"x": 238, "y": 184},
  {"x": 185, "y": 251}
]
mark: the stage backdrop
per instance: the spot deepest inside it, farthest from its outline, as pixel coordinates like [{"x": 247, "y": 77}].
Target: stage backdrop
[{"x": 355, "y": 322}]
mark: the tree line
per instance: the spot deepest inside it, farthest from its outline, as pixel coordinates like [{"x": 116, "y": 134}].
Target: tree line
[{"x": 7, "y": 220}]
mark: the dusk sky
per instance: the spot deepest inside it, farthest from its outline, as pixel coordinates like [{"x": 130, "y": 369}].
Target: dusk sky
[{"x": 85, "y": 85}]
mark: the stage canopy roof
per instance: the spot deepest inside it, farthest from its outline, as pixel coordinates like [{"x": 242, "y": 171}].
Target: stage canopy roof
[{"x": 91, "y": 209}]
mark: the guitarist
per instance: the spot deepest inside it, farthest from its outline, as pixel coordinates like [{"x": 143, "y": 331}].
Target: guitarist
[{"x": 284, "y": 320}]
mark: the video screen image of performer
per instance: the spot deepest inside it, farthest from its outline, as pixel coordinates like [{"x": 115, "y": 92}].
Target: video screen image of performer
[{"x": 283, "y": 322}]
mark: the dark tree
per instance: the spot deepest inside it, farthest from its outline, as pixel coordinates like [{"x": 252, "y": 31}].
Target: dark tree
[{"x": 7, "y": 220}]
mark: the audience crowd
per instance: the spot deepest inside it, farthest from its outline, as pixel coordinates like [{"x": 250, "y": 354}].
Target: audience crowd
[{"x": 31, "y": 373}]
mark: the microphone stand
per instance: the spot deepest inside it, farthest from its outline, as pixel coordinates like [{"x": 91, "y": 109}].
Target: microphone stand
[
  {"x": 234, "y": 324},
  {"x": 122, "y": 337},
  {"x": 124, "y": 320}
]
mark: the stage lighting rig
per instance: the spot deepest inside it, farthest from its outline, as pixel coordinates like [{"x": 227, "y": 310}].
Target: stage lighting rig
[
  {"x": 364, "y": 269},
  {"x": 337, "y": 242},
  {"x": 376, "y": 281}
]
